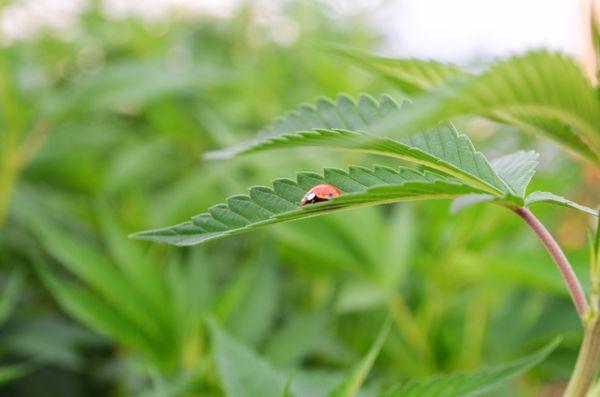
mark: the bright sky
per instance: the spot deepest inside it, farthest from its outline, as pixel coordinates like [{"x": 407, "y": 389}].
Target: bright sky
[{"x": 461, "y": 30}]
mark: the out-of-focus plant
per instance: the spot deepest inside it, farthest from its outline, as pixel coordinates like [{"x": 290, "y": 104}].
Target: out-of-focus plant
[
  {"x": 540, "y": 91},
  {"x": 8, "y": 302}
]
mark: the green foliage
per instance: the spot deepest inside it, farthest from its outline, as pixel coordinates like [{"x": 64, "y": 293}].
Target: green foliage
[
  {"x": 473, "y": 384},
  {"x": 126, "y": 299},
  {"x": 245, "y": 374},
  {"x": 540, "y": 92},
  {"x": 101, "y": 134},
  {"x": 551, "y": 198},
  {"x": 517, "y": 169},
  {"x": 442, "y": 149},
  {"x": 412, "y": 76},
  {"x": 265, "y": 206},
  {"x": 352, "y": 385},
  {"x": 242, "y": 373},
  {"x": 9, "y": 373},
  {"x": 338, "y": 126},
  {"x": 10, "y": 295}
]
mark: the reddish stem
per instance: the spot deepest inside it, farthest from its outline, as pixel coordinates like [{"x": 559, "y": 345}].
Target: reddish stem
[{"x": 560, "y": 259}]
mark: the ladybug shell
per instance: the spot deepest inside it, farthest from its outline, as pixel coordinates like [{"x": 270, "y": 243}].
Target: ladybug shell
[{"x": 322, "y": 192}]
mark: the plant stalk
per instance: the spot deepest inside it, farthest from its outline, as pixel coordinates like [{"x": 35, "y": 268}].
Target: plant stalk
[
  {"x": 588, "y": 362},
  {"x": 565, "y": 268},
  {"x": 588, "y": 359}
]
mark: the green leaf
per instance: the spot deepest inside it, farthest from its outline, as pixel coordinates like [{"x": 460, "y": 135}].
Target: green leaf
[
  {"x": 469, "y": 200},
  {"x": 301, "y": 334},
  {"x": 94, "y": 312},
  {"x": 517, "y": 169},
  {"x": 265, "y": 206},
  {"x": 257, "y": 309},
  {"x": 242, "y": 372},
  {"x": 351, "y": 386},
  {"x": 473, "y": 384},
  {"x": 287, "y": 388},
  {"x": 132, "y": 83},
  {"x": 551, "y": 198},
  {"x": 8, "y": 373},
  {"x": 412, "y": 76},
  {"x": 87, "y": 263},
  {"x": 10, "y": 295},
  {"x": 141, "y": 275},
  {"x": 340, "y": 126},
  {"x": 541, "y": 92}
]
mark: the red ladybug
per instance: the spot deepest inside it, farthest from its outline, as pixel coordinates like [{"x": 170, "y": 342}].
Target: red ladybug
[{"x": 322, "y": 192}]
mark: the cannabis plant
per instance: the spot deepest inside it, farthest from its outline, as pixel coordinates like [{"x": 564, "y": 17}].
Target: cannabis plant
[{"x": 541, "y": 92}]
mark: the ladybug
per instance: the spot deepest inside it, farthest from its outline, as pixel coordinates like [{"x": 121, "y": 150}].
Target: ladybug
[{"x": 322, "y": 192}]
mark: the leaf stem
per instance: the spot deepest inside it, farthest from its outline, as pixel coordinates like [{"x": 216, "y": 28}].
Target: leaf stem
[
  {"x": 588, "y": 359},
  {"x": 575, "y": 289}
]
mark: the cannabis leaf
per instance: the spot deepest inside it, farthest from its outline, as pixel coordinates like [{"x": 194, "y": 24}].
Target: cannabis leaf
[
  {"x": 517, "y": 169},
  {"x": 412, "y": 76},
  {"x": 551, "y": 198},
  {"x": 340, "y": 126},
  {"x": 265, "y": 206},
  {"x": 540, "y": 92},
  {"x": 461, "y": 171}
]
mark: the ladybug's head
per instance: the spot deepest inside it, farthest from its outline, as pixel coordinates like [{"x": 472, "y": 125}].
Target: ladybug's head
[{"x": 308, "y": 198}]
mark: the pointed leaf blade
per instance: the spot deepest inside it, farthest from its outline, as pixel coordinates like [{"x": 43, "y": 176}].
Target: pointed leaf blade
[
  {"x": 359, "y": 186},
  {"x": 351, "y": 386},
  {"x": 551, "y": 198},
  {"x": 474, "y": 384},
  {"x": 412, "y": 76},
  {"x": 540, "y": 92},
  {"x": 242, "y": 372},
  {"x": 341, "y": 125},
  {"x": 517, "y": 169}
]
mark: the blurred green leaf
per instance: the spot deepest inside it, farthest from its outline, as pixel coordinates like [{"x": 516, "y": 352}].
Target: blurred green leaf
[
  {"x": 9, "y": 373},
  {"x": 10, "y": 295},
  {"x": 475, "y": 384},
  {"x": 133, "y": 83},
  {"x": 99, "y": 273},
  {"x": 300, "y": 335},
  {"x": 412, "y": 76},
  {"x": 352, "y": 385},
  {"x": 256, "y": 312},
  {"x": 52, "y": 340},
  {"x": 142, "y": 276},
  {"x": 540, "y": 92},
  {"x": 242, "y": 372},
  {"x": 95, "y": 313}
]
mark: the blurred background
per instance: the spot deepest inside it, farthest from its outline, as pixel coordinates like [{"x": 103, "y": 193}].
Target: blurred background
[{"x": 106, "y": 109}]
